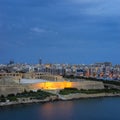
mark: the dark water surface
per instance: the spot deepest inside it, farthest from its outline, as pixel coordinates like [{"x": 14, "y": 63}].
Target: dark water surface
[{"x": 85, "y": 109}]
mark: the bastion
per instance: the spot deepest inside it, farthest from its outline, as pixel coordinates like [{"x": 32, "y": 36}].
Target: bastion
[{"x": 9, "y": 86}]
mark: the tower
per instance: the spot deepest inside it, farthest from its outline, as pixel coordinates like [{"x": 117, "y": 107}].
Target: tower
[
  {"x": 11, "y": 62},
  {"x": 40, "y": 61}
]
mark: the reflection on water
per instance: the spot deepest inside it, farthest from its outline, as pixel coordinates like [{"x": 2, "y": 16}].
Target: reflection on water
[
  {"x": 49, "y": 111},
  {"x": 85, "y": 109}
]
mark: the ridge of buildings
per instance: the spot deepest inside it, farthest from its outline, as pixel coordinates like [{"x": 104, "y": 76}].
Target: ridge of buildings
[{"x": 101, "y": 70}]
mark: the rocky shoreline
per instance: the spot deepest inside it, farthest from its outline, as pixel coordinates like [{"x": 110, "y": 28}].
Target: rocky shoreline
[
  {"x": 59, "y": 98},
  {"x": 48, "y": 99},
  {"x": 83, "y": 96}
]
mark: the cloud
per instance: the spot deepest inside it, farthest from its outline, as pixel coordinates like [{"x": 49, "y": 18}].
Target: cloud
[
  {"x": 99, "y": 7},
  {"x": 41, "y": 30},
  {"x": 108, "y": 8},
  {"x": 85, "y": 1},
  {"x": 38, "y": 30}
]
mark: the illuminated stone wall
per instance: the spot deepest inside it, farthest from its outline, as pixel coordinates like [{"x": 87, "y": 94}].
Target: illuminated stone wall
[
  {"x": 50, "y": 85},
  {"x": 8, "y": 86},
  {"x": 65, "y": 84}
]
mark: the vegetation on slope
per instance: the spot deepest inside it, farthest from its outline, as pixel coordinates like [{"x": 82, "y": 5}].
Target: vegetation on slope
[
  {"x": 39, "y": 94},
  {"x": 68, "y": 91}
]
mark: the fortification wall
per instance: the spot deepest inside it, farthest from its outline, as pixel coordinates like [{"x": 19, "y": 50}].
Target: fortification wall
[
  {"x": 10, "y": 89},
  {"x": 62, "y": 85},
  {"x": 8, "y": 86},
  {"x": 88, "y": 85}
]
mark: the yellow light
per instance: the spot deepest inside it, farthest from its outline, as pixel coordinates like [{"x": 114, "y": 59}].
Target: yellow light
[{"x": 53, "y": 85}]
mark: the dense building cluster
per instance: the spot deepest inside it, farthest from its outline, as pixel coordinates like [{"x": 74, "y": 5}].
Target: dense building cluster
[{"x": 103, "y": 70}]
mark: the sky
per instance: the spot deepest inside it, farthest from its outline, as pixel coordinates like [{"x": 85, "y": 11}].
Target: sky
[{"x": 60, "y": 31}]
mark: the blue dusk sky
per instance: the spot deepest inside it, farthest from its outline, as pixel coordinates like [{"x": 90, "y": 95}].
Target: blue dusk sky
[{"x": 60, "y": 31}]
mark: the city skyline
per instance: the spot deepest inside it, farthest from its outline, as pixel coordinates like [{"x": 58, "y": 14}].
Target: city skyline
[
  {"x": 42, "y": 62},
  {"x": 63, "y": 31},
  {"x": 104, "y": 70}
]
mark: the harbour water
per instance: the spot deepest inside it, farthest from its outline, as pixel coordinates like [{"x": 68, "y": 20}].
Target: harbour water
[{"x": 84, "y": 109}]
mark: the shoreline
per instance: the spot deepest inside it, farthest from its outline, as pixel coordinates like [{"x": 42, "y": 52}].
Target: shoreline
[
  {"x": 48, "y": 99},
  {"x": 76, "y": 96},
  {"x": 86, "y": 96}
]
